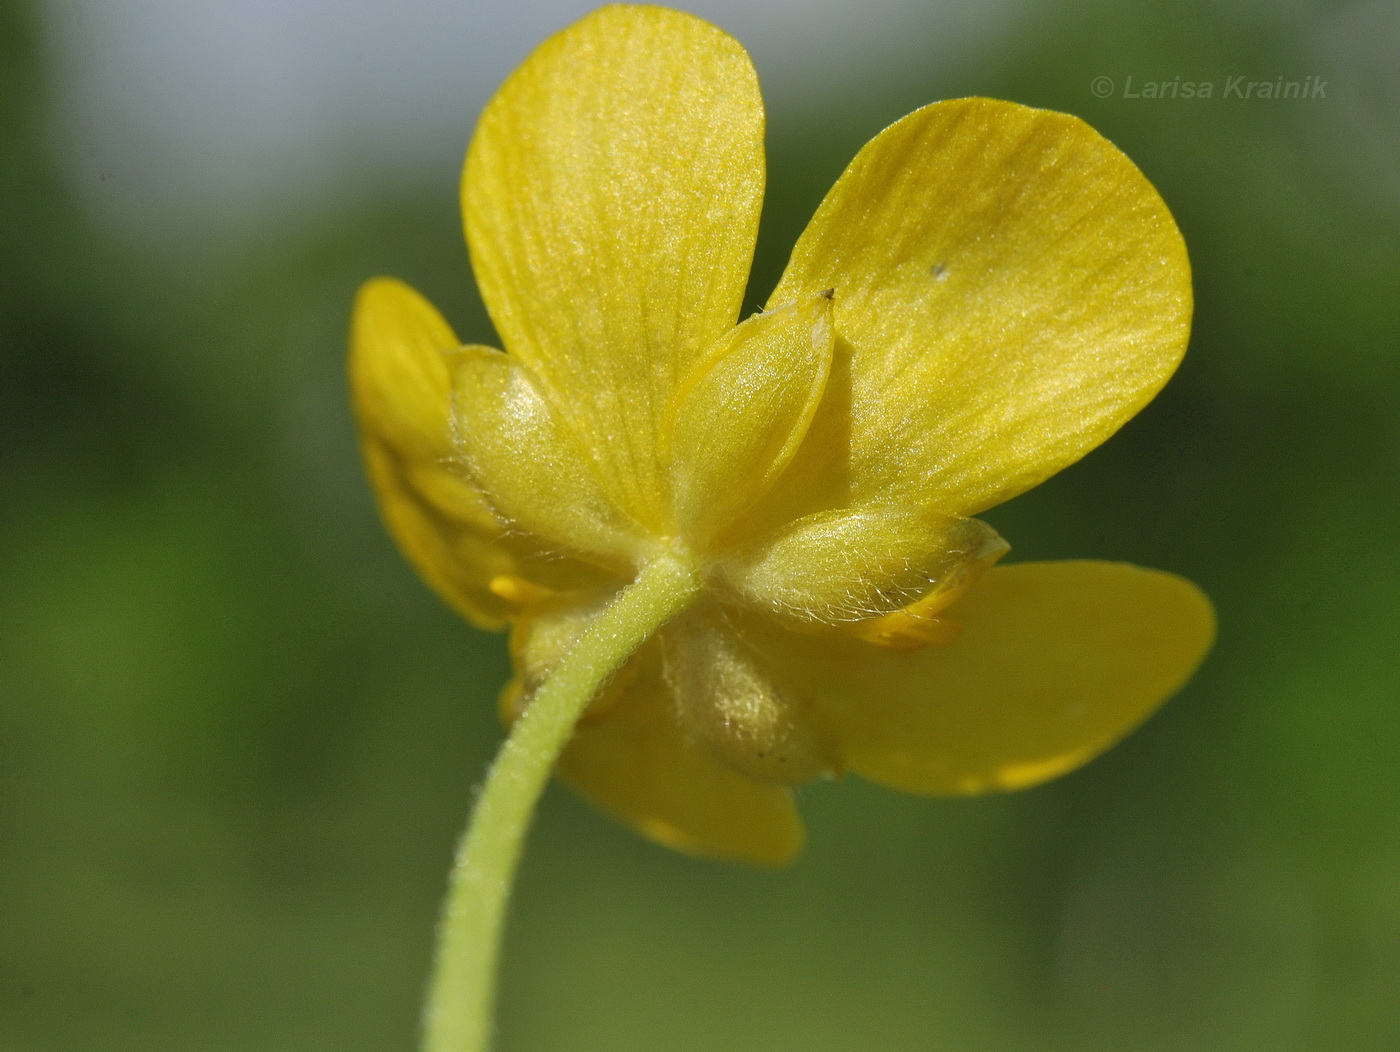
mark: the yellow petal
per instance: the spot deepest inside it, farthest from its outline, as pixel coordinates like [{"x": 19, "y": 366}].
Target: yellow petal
[
  {"x": 611, "y": 197},
  {"x": 630, "y": 758},
  {"x": 914, "y": 627},
  {"x": 1056, "y": 662},
  {"x": 1012, "y": 289},
  {"x": 401, "y": 352},
  {"x": 846, "y": 566},
  {"x": 401, "y": 358},
  {"x": 529, "y": 464},
  {"x": 728, "y": 703},
  {"x": 744, "y": 411},
  {"x": 456, "y": 557}
]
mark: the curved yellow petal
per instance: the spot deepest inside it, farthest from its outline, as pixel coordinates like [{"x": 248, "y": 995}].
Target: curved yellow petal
[
  {"x": 402, "y": 354},
  {"x": 743, "y": 412},
  {"x": 611, "y": 197},
  {"x": 851, "y": 565},
  {"x": 529, "y": 464},
  {"x": 1055, "y": 663},
  {"x": 456, "y": 557},
  {"x": 1012, "y": 290}
]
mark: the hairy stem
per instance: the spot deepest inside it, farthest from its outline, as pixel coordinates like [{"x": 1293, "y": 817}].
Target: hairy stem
[{"x": 462, "y": 995}]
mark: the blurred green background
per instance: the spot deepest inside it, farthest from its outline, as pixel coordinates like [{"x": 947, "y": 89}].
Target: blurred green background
[{"x": 238, "y": 737}]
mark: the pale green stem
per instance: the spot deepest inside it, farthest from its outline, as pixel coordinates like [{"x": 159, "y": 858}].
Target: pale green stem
[{"x": 462, "y": 995}]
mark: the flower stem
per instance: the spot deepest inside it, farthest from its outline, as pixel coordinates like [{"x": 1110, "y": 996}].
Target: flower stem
[{"x": 462, "y": 995}]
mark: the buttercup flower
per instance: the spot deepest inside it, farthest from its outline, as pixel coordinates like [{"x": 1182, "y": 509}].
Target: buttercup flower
[{"x": 987, "y": 293}]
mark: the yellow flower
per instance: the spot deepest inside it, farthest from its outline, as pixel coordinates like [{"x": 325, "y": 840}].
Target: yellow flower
[{"x": 988, "y": 292}]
